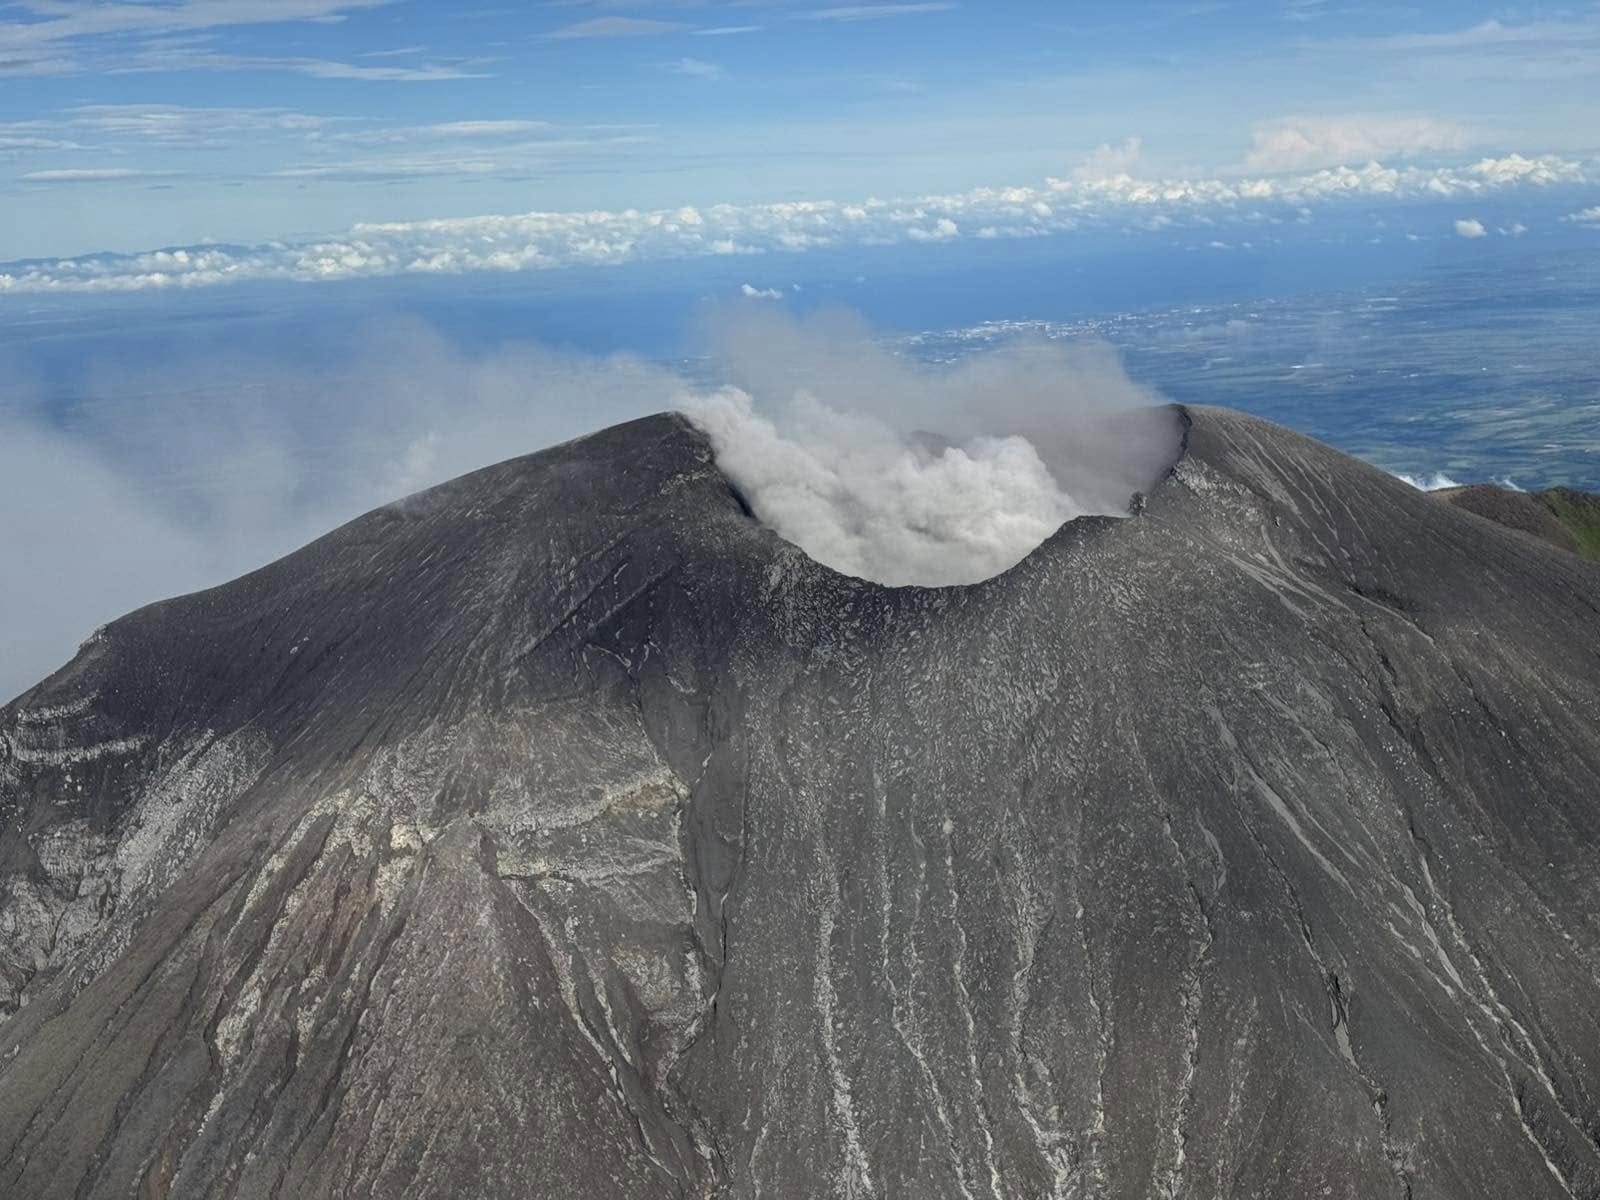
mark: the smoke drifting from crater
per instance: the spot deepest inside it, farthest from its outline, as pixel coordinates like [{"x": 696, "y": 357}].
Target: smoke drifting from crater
[
  {"x": 213, "y": 451},
  {"x": 934, "y": 475},
  {"x": 859, "y": 498}
]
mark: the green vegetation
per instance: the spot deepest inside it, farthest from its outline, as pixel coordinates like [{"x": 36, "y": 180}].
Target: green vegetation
[{"x": 1579, "y": 512}]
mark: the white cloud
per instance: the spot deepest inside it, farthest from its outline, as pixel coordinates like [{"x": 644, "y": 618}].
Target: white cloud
[
  {"x": 1438, "y": 481},
  {"x": 319, "y": 147},
  {"x": 443, "y": 131},
  {"x": 861, "y": 499},
  {"x": 1470, "y": 228},
  {"x": 402, "y": 167},
  {"x": 872, "y": 12},
  {"x": 942, "y": 231},
  {"x": 827, "y": 437},
  {"x": 1536, "y": 51},
  {"x": 1493, "y": 34},
  {"x": 66, "y": 21},
  {"x": 550, "y": 240},
  {"x": 241, "y": 454},
  {"x": 728, "y": 30},
  {"x": 470, "y": 129},
  {"x": 472, "y": 149},
  {"x": 11, "y": 146},
  {"x": 91, "y": 175},
  {"x": 1108, "y": 161},
  {"x": 1374, "y": 181},
  {"x": 1303, "y": 10},
  {"x": 1514, "y": 230},
  {"x": 176, "y": 125},
  {"x": 751, "y": 292},
  {"x": 614, "y": 27},
  {"x": 77, "y": 36},
  {"x": 1545, "y": 170},
  {"x": 1301, "y": 142},
  {"x": 68, "y": 507},
  {"x": 316, "y": 68},
  {"x": 695, "y": 68},
  {"x": 1587, "y": 216},
  {"x": 28, "y": 64}
]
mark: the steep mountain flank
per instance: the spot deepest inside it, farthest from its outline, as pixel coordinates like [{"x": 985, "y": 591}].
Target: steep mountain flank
[
  {"x": 562, "y": 832},
  {"x": 1564, "y": 517}
]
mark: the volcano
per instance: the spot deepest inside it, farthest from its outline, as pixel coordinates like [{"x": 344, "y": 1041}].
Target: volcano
[{"x": 564, "y": 832}]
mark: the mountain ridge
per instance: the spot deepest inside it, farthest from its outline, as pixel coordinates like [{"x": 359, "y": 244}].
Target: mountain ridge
[{"x": 1563, "y": 516}]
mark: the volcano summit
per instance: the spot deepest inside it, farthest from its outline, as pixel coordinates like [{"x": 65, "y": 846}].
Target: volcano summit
[{"x": 563, "y": 832}]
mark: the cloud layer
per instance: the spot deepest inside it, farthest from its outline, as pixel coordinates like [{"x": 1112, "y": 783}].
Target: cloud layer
[
  {"x": 69, "y": 37},
  {"x": 865, "y": 501},
  {"x": 236, "y": 453},
  {"x": 552, "y": 240},
  {"x": 1438, "y": 481},
  {"x": 1327, "y": 141}
]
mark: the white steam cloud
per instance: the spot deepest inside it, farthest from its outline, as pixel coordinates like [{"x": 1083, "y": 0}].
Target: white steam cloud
[
  {"x": 864, "y": 501},
  {"x": 184, "y": 473},
  {"x": 907, "y": 475},
  {"x": 220, "y": 455}
]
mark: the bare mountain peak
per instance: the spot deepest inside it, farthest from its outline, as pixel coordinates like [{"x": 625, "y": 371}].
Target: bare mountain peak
[{"x": 564, "y": 831}]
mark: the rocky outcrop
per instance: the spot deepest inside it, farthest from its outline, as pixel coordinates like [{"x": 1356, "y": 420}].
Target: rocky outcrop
[{"x": 563, "y": 832}]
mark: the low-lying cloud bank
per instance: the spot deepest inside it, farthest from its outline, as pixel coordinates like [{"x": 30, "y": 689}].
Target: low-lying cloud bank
[
  {"x": 1438, "y": 481},
  {"x": 1109, "y": 198},
  {"x": 861, "y": 499},
  {"x": 217, "y": 456},
  {"x": 907, "y": 475},
  {"x": 182, "y": 473}
]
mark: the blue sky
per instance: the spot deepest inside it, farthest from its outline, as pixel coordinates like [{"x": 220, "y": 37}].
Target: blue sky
[{"x": 131, "y": 126}]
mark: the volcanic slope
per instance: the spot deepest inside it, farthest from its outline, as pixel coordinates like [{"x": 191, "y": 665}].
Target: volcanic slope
[
  {"x": 563, "y": 832},
  {"x": 1562, "y": 516}
]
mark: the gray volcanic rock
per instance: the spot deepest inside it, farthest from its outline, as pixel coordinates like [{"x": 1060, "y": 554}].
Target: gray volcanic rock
[
  {"x": 1562, "y": 516},
  {"x": 562, "y": 832},
  {"x": 1515, "y": 510}
]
